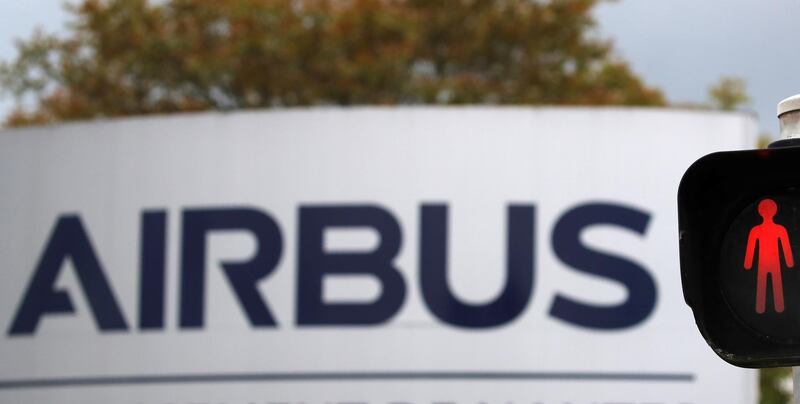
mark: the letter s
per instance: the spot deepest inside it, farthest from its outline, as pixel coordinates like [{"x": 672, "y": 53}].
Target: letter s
[{"x": 636, "y": 279}]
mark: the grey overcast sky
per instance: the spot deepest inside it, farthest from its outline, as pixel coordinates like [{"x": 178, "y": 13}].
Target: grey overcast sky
[
  {"x": 681, "y": 46},
  {"x": 684, "y": 46}
]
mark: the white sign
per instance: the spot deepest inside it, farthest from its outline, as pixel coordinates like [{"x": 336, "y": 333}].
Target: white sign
[{"x": 376, "y": 256}]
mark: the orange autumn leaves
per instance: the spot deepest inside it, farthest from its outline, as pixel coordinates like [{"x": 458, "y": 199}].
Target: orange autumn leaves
[{"x": 134, "y": 57}]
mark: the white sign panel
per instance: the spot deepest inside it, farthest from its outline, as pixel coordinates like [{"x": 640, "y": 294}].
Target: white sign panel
[{"x": 376, "y": 256}]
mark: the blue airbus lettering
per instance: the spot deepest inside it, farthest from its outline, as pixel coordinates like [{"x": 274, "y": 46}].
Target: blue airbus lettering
[{"x": 70, "y": 240}]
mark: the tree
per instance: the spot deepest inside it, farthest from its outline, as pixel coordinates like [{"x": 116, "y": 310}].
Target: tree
[
  {"x": 131, "y": 57},
  {"x": 775, "y": 385},
  {"x": 729, "y": 93}
]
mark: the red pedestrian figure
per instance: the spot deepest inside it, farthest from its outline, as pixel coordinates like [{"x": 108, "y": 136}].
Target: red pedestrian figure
[{"x": 768, "y": 235}]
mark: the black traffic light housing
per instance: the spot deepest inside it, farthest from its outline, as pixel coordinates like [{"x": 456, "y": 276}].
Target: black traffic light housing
[{"x": 718, "y": 206}]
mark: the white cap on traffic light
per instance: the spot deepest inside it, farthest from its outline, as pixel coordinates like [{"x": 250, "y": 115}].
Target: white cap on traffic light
[
  {"x": 789, "y": 116},
  {"x": 789, "y": 104}
]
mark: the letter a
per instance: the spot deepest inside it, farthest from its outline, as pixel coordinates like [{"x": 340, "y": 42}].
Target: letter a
[{"x": 69, "y": 240}]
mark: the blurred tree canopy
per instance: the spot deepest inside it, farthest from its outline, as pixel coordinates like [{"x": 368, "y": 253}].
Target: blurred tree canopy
[
  {"x": 775, "y": 384},
  {"x": 729, "y": 93},
  {"x": 131, "y": 57}
]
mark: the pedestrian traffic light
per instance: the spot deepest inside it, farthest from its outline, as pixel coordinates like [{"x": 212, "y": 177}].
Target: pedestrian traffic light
[{"x": 739, "y": 231}]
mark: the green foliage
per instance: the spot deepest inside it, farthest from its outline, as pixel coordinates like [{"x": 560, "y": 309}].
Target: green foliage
[
  {"x": 729, "y": 93},
  {"x": 763, "y": 140},
  {"x": 132, "y": 57},
  {"x": 773, "y": 383}
]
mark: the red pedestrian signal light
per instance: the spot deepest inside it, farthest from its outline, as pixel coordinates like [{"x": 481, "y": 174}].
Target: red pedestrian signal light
[
  {"x": 739, "y": 223},
  {"x": 769, "y": 242}
]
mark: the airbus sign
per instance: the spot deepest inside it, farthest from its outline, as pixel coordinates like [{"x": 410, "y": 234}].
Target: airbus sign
[{"x": 377, "y": 255}]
